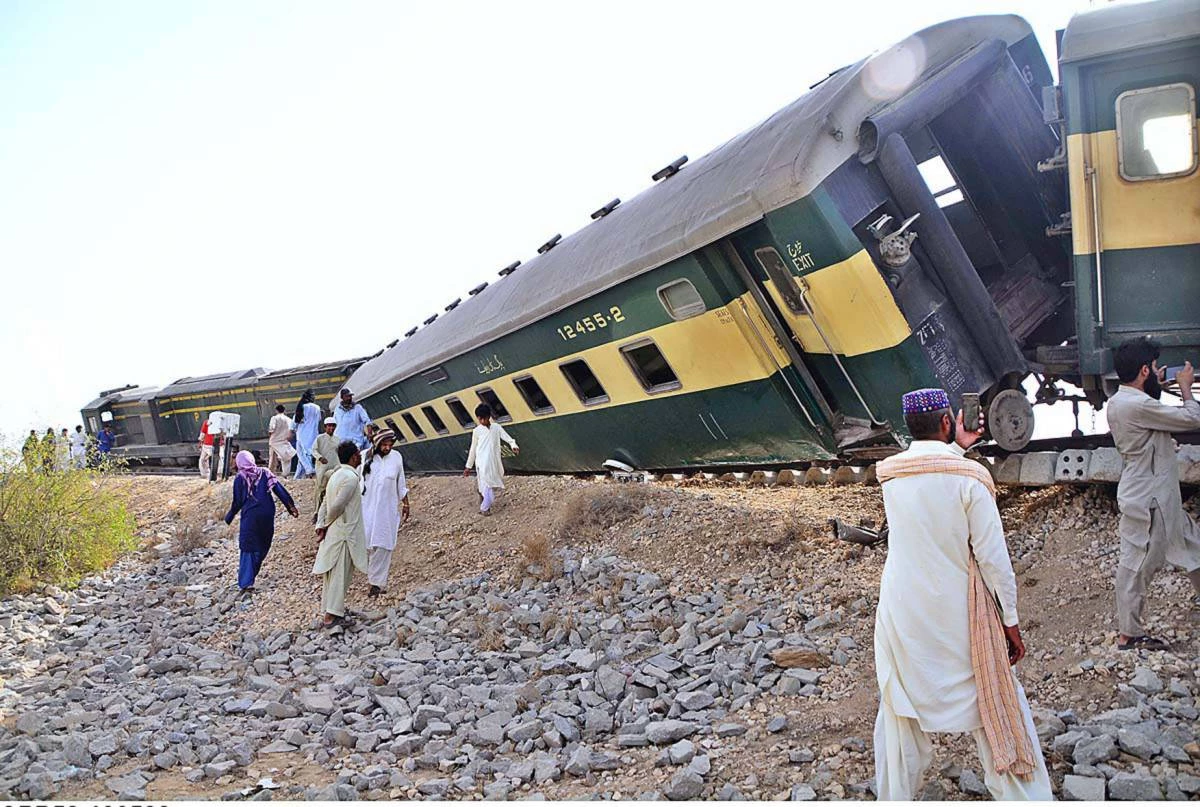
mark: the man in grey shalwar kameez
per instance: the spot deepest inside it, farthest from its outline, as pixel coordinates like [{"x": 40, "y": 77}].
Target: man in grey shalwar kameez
[
  {"x": 1154, "y": 527},
  {"x": 341, "y": 533}
]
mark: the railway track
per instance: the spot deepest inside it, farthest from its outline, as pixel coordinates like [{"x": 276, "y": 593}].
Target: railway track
[{"x": 1087, "y": 459}]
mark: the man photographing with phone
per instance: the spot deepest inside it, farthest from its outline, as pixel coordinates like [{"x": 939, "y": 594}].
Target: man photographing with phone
[
  {"x": 1154, "y": 528},
  {"x": 946, "y": 629}
]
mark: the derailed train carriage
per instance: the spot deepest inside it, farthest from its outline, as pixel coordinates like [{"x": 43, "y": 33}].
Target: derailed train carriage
[
  {"x": 905, "y": 223},
  {"x": 160, "y": 426}
]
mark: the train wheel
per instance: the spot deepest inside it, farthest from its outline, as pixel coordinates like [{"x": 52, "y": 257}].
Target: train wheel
[{"x": 1010, "y": 419}]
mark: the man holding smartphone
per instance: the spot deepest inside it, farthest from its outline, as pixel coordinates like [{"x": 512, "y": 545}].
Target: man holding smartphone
[
  {"x": 1154, "y": 528},
  {"x": 946, "y": 628}
]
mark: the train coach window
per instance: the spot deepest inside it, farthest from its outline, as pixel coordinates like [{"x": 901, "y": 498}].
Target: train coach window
[
  {"x": 435, "y": 375},
  {"x": 412, "y": 424},
  {"x": 584, "y": 382},
  {"x": 493, "y": 400},
  {"x": 781, "y": 277},
  {"x": 650, "y": 366},
  {"x": 1156, "y": 132},
  {"x": 532, "y": 392},
  {"x": 460, "y": 413},
  {"x": 391, "y": 424},
  {"x": 681, "y": 299},
  {"x": 435, "y": 420}
]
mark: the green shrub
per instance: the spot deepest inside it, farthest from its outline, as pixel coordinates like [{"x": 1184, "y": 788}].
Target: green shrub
[{"x": 57, "y": 525}]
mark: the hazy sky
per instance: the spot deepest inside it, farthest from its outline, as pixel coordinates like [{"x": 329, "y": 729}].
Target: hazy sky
[{"x": 188, "y": 188}]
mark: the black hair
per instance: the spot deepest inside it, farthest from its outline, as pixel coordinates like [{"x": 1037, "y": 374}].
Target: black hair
[
  {"x": 346, "y": 449},
  {"x": 926, "y": 425},
  {"x": 279, "y": 407},
  {"x": 483, "y": 411},
  {"x": 307, "y": 397},
  {"x": 1132, "y": 356}
]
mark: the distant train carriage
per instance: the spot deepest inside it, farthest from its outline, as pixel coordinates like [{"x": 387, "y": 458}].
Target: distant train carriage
[
  {"x": 767, "y": 303},
  {"x": 161, "y": 426}
]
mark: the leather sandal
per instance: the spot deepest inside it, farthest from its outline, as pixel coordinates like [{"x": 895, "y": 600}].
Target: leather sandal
[{"x": 1143, "y": 643}]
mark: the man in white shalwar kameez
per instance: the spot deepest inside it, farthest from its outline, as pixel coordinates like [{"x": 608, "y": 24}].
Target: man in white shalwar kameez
[
  {"x": 279, "y": 431},
  {"x": 341, "y": 533},
  {"x": 484, "y": 456},
  {"x": 923, "y": 636},
  {"x": 385, "y": 497},
  {"x": 78, "y": 448}
]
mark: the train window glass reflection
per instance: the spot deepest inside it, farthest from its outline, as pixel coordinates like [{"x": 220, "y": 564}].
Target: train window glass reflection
[
  {"x": 435, "y": 420},
  {"x": 412, "y": 424},
  {"x": 681, "y": 299},
  {"x": 493, "y": 400},
  {"x": 391, "y": 424},
  {"x": 584, "y": 382},
  {"x": 781, "y": 277},
  {"x": 460, "y": 413},
  {"x": 531, "y": 391},
  {"x": 650, "y": 366},
  {"x": 1156, "y": 132}
]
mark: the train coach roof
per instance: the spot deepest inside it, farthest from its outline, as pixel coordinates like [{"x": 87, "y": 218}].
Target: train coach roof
[
  {"x": 776, "y": 162},
  {"x": 208, "y": 383},
  {"x": 116, "y": 396},
  {"x": 1127, "y": 26},
  {"x": 330, "y": 366}
]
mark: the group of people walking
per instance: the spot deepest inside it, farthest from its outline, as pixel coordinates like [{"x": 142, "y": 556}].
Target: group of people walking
[
  {"x": 362, "y": 496},
  {"x": 66, "y": 450},
  {"x": 947, "y": 630}
]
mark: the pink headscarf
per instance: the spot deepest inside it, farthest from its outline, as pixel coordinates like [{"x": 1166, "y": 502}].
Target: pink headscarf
[{"x": 249, "y": 471}]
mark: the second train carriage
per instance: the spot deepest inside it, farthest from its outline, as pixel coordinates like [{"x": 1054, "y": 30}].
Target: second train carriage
[
  {"x": 161, "y": 426},
  {"x": 767, "y": 303}
]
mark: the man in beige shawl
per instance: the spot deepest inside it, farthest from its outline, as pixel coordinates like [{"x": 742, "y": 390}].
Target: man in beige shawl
[
  {"x": 341, "y": 533},
  {"x": 941, "y": 666}
]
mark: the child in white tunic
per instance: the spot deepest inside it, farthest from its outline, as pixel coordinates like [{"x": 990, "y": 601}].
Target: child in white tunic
[
  {"x": 485, "y": 456},
  {"x": 386, "y": 494}
]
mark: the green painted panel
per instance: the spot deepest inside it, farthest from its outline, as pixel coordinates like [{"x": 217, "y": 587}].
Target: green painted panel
[
  {"x": 1147, "y": 292},
  {"x": 1091, "y": 88},
  {"x": 882, "y": 377},
  {"x": 810, "y": 233},
  {"x": 744, "y": 423}
]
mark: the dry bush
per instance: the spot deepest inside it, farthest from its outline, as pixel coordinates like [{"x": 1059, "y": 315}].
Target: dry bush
[
  {"x": 593, "y": 510},
  {"x": 535, "y": 550},
  {"x": 490, "y": 639},
  {"x": 793, "y": 657}
]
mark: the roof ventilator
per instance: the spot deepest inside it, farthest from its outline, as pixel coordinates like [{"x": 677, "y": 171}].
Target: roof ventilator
[
  {"x": 430, "y": 320},
  {"x": 392, "y": 344},
  {"x": 604, "y": 211},
  {"x": 549, "y": 245},
  {"x": 454, "y": 304},
  {"x": 410, "y": 331},
  {"x": 670, "y": 170},
  {"x": 477, "y": 289},
  {"x": 508, "y": 270}
]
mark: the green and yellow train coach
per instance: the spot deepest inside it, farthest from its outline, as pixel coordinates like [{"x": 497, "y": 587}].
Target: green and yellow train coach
[
  {"x": 769, "y": 302},
  {"x": 160, "y": 426}
]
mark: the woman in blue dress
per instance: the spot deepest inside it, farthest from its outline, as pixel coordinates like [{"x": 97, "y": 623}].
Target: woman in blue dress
[
  {"x": 252, "y": 496},
  {"x": 307, "y": 422}
]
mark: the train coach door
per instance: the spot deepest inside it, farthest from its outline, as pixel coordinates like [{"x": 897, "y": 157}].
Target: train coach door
[{"x": 1133, "y": 160}]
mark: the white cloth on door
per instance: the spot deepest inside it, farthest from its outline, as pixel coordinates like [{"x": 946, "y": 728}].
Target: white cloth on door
[
  {"x": 484, "y": 455},
  {"x": 386, "y": 488}
]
